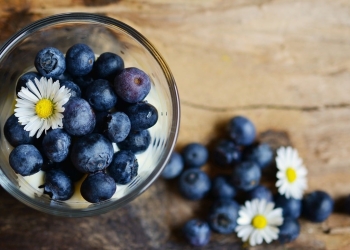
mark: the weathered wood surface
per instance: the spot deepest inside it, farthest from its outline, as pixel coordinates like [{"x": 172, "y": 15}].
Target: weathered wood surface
[{"x": 283, "y": 63}]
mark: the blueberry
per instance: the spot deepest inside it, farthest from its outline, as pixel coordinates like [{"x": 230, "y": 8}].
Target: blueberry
[
  {"x": 142, "y": 115},
  {"x": 25, "y": 160},
  {"x": 261, "y": 154},
  {"x": 56, "y": 145},
  {"x": 260, "y": 192},
  {"x": 14, "y": 132},
  {"x": 137, "y": 142},
  {"x": 22, "y": 81},
  {"x": 195, "y": 155},
  {"x": 226, "y": 153},
  {"x": 194, "y": 184},
  {"x": 91, "y": 153},
  {"x": 317, "y": 206},
  {"x": 79, "y": 59},
  {"x": 197, "y": 232},
  {"x": 347, "y": 204},
  {"x": 74, "y": 89},
  {"x": 101, "y": 122},
  {"x": 223, "y": 216},
  {"x": 79, "y": 118},
  {"x": 222, "y": 188},
  {"x": 68, "y": 168},
  {"x": 64, "y": 77},
  {"x": 174, "y": 166},
  {"x": 123, "y": 167},
  {"x": 132, "y": 85},
  {"x": 117, "y": 126},
  {"x": 241, "y": 130},
  {"x": 83, "y": 81},
  {"x": 291, "y": 207},
  {"x": 100, "y": 95},
  {"x": 50, "y": 62},
  {"x": 246, "y": 176},
  {"x": 289, "y": 230},
  {"x": 58, "y": 185},
  {"x": 107, "y": 66},
  {"x": 98, "y": 187}
]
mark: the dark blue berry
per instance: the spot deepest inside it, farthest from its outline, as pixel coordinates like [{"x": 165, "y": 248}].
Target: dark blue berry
[
  {"x": 100, "y": 95},
  {"x": 289, "y": 230},
  {"x": 98, "y": 187},
  {"x": 174, "y": 166},
  {"x": 137, "y": 142},
  {"x": 241, "y": 130},
  {"x": 25, "y": 160},
  {"x": 107, "y": 66},
  {"x": 79, "y": 118},
  {"x": 197, "y": 232},
  {"x": 117, "y": 127},
  {"x": 14, "y": 132},
  {"x": 101, "y": 122},
  {"x": 74, "y": 89},
  {"x": 194, "y": 184},
  {"x": 50, "y": 62},
  {"x": 246, "y": 176},
  {"x": 64, "y": 77},
  {"x": 91, "y": 153},
  {"x": 67, "y": 166},
  {"x": 261, "y": 154},
  {"x": 222, "y": 188},
  {"x": 22, "y": 81},
  {"x": 226, "y": 153},
  {"x": 58, "y": 185},
  {"x": 56, "y": 145},
  {"x": 123, "y": 167},
  {"x": 142, "y": 115},
  {"x": 260, "y": 192},
  {"x": 317, "y": 206},
  {"x": 291, "y": 207},
  {"x": 195, "y": 155},
  {"x": 132, "y": 85},
  {"x": 223, "y": 216},
  {"x": 79, "y": 59},
  {"x": 83, "y": 81},
  {"x": 347, "y": 204}
]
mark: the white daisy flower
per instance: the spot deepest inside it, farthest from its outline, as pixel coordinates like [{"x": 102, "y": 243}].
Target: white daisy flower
[
  {"x": 291, "y": 173},
  {"x": 258, "y": 221},
  {"x": 40, "y": 107}
]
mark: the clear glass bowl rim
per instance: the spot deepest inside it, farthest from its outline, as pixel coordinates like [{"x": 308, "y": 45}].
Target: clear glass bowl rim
[{"x": 104, "y": 20}]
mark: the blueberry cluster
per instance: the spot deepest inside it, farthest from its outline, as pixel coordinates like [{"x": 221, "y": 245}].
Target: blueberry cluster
[
  {"x": 239, "y": 161},
  {"x": 106, "y": 111}
]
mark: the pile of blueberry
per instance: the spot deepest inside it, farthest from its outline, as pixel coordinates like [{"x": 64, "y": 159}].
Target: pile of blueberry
[
  {"x": 243, "y": 161},
  {"x": 106, "y": 111}
]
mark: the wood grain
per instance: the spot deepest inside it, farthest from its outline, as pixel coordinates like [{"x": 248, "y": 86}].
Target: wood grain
[{"x": 285, "y": 64}]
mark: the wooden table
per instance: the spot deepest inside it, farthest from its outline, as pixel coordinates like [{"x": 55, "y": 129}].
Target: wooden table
[{"x": 285, "y": 64}]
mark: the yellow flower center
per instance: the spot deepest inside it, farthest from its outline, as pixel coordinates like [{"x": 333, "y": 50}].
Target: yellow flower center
[
  {"x": 44, "y": 108},
  {"x": 291, "y": 175},
  {"x": 259, "y": 221}
]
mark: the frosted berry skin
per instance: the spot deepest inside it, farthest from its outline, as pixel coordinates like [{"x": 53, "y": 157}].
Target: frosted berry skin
[
  {"x": 100, "y": 95},
  {"x": 22, "y": 81},
  {"x": 195, "y": 155},
  {"x": 194, "y": 184},
  {"x": 289, "y": 230},
  {"x": 117, "y": 126},
  {"x": 79, "y": 118},
  {"x": 91, "y": 153},
  {"x": 136, "y": 142},
  {"x": 222, "y": 188},
  {"x": 317, "y": 206},
  {"x": 50, "y": 62},
  {"x": 241, "y": 130},
  {"x": 132, "y": 85},
  {"x": 75, "y": 90},
  {"x": 142, "y": 115},
  {"x": 107, "y": 66},
  {"x": 79, "y": 59},
  {"x": 223, "y": 216},
  {"x": 56, "y": 145},
  {"x": 261, "y": 154},
  {"x": 15, "y": 134},
  {"x": 98, "y": 187},
  {"x": 58, "y": 185},
  {"x": 246, "y": 176},
  {"x": 124, "y": 167},
  {"x": 25, "y": 160},
  {"x": 174, "y": 166},
  {"x": 197, "y": 232}
]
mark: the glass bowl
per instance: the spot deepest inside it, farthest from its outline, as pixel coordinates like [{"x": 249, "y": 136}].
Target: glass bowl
[{"x": 102, "y": 34}]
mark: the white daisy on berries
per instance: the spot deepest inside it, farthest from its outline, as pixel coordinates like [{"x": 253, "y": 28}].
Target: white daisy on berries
[
  {"x": 291, "y": 173},
  {"x": 258, "y": 221},
  {"x": 40, "y": 105}
]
